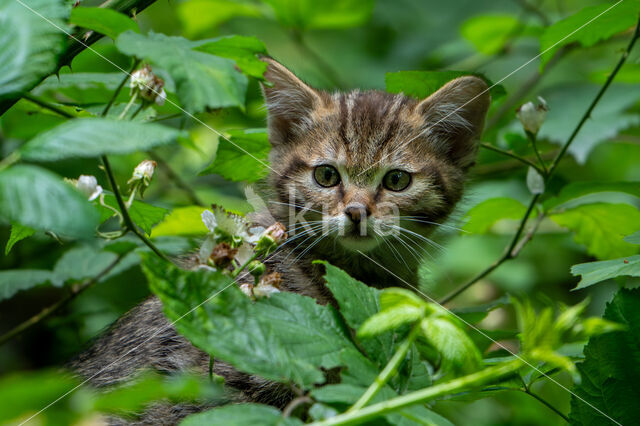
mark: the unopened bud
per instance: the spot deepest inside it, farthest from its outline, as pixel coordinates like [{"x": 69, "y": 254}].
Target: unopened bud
[
  {"x": 256, "y": 269},
  {"x": 272, "y": 237},
  {"x": 532, "y": 116},
  {"x": 88, "y": 185},
  {"x": 143, "y": 172}
]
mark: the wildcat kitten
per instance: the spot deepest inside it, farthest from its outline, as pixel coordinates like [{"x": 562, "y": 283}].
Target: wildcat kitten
[{"x": 370, "y": 172}]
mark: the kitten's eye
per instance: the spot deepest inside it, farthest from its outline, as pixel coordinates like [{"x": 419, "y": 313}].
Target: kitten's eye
[
  {"x": 326, "y": 176},
  {"x": 396, "y": 180}
]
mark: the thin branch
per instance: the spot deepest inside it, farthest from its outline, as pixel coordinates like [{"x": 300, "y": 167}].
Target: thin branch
[
  {"x": 119, "y": 88},
  {"x": 547, "y": 404},
  {"x": 48, "y": 106},
  {"x": 46, "y": 312},
  {"x": 509, "y": 253},
  {"x": 523, "y": 160},
  {"x": 176, "y": 178},
  {"x": 125, "y": 213}
]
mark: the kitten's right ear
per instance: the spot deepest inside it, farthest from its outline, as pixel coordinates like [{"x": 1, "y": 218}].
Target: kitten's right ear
[{"x": 289, "y": 101}]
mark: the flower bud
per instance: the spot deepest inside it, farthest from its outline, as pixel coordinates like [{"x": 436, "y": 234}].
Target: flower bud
[
  {"x": 256, "y": 269},
  {"x": 149, "y": 85},
  {"x": 88, "y": 185},
  {"x": 532, "y": 116},
  {"x": 143, "y": 173},
  {"x": 272, "y": 237}
]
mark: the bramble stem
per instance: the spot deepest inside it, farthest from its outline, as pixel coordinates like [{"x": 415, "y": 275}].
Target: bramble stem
[
  {"x": 512, "y": 155},
  {"x": 479, "y": 378},
  {"x": 509, "y": 253},
  {"x": 389, "y": 370}
]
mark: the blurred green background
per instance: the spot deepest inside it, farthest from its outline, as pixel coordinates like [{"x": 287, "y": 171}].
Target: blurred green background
[{"x": 354, "y": 50}]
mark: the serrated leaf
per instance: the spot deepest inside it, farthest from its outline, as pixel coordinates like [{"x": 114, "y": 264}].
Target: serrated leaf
[
  {"x": 29, "y": 45},
  {"x": 202, "y": 80},
  {"x": 182, "y": 221},
  {"x": 145, "y": 215},
  {"x": 82, "y": 88},
  {"x": 285, "y": 338},
  {"x": 588, "y": 27},
  {"x": 421, "y": 84},
  {"x": 103, "y": 20},
  {"x": 601, "y": 227},
  {"x": 18, "y": 233},
  {"x": 485, "y": 214},
  {"x": 329, "y": 14},
  {"x": 15, "y": 280},
  {"x": 610, "y": 371},
  {"x": 595, "y": 272},
  {"x": 575, "y": 190},
  {"x": 489, "y": 33},
  {"x": 245, "y": 158},
  {"x": 243, "y": 50},
  {"x": 92, "y": 137},
  {"x": 241, "y": 415},
  {"x": 40, "y": 199},
  {"x": 535, "y": 181}
]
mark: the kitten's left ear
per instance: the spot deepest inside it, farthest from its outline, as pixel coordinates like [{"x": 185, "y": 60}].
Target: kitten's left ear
[{"x": 455, "y": 115}]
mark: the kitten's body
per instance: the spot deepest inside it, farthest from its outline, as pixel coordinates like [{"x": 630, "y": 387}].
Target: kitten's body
[{"x": 361, "y": 136}]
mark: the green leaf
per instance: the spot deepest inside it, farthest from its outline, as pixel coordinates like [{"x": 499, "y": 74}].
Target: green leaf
[
  {"x": 182, "y": 221},
  {"x": 595, "y": 272},
  {"x": 475, "y": 314},
  {"x": 601, "y": 227},
  {"x": 29, "y": 45},
  {"x": 389, "y": 320},
  {"x": 575, "y": 190},
  {"x": 421, "y": 84},
  {"x": 103, "y": 20},
  {"x": 285, "y": 338},
  {"x": 588, "y": 27},
  {"x": 200, "y": 16},
  {"x": 92, "y": 137},
  {"x": 459, "y": 354},
  {"x": 241, "y": 415},
  {"x": 633, "y": 238},
  {"x": 357, "y": 303},
  {"x": 485, "y": 214},
  {"x": 18, "y": 232},
  {"x": 40, "y": 200},
  {"x": 82, "y": 88},
  {"x": 329, "y": 14},
  {"x": 489, "y": 33},
  {"x": 611, "y": 368},
  {"x": 202, "y": 80},
  {"x": 15, "y": 280},
  {"x": 244, "y": 158},
  {"x": 145, "y": 215},
  {"x": 243, "y": 50},
  {"x": 80, "y": 263}
]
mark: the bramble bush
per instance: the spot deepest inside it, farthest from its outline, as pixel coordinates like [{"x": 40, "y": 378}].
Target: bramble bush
[{"x": 117, "y": 138}]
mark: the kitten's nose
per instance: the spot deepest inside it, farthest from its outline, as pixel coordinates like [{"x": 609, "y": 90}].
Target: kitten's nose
[{"x": 356, "y": 212}]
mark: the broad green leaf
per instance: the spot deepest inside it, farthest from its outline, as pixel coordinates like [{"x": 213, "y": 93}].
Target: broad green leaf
[
  {"x": 357, "y": 303},
  {"x": 421, "y": 84},
  {"x": 82, "y": 88},
  {"x": 389, "y": 320},
  {"x": 245, "y": 158},
  {"x": 29, "y": 45},
  {"x": 182, "y": 221},
  {"x": 595, "y": 272},
  {"x": 329, "y": 14},
  {"x": 103, "y": 20},
  {"x": 489, "y": 33},
  {"x": 92, "y": 137},
  {"x": 285, "y": 338},
  {"x": 243, "y": 50},
  {"x": 18, "y": 233},
  {"x": 588, "y": 27},
  {"x": 579, "y": 189},
  {"x": 80, "y": 263},
  {"x": 601, "y": 227},
  {"x": 145, "y": 215},
  {"x": 633, "y": 238},
  {"x": 200, "y": 16},
  {"x": 393, "y": 297},
  {"x": 611, "y": 368},
  {"x": 202, "y": 80},
  {"x": 40, "y": 200},
  {"x": 485, "y": 214},
  {"x": 241, "y": 415},
  {"x": 15, "y": 280},
  {"x": 459, "y": 354}
]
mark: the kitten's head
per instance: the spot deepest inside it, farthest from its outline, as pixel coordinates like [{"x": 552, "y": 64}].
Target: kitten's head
[{"x": 364, "y": 163}]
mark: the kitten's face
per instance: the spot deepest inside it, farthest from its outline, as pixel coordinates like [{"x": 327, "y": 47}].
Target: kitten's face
[{"x": 365, "y": 167}]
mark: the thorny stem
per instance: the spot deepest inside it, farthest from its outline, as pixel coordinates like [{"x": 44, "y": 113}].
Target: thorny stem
[
  {"x": 389, "y": 370},
  {"x": 512, "y": 155},
  {"x": 119, "y": 88},
  {"x": 125, "y": 213},
  {"x": 509, "y": 253},
  {"x": 479, "y": 378},
  {"x": 74, "y": 292}
]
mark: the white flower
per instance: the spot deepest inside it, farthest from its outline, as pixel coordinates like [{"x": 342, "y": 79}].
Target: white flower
[
  {"x": 149, "y": 86},
  {"x": 144, "y": 172},
  {"x": 88, "y": 185},
  {"x": 141, "y": 78},
  {"x": 532, "y": 116},
  {"x": 230, "y": 224}
]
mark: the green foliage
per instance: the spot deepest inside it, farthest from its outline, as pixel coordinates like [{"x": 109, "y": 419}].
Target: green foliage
[
  {"x": 202, "y": 80},
  {"x": 576, "y": 190},
  {"x": 485, "y": 214},
  {"x": 202, "y": 15},
  {"x": 182, "y": 221},
  {"x": 18, "y": 232},
  {"x": 241, "y": 414},
  {"x": 421, "y": 84},
  {"x": 14, "y": 281},
  {"x": 610, "y": 371},
  {"x": 489, "y": 33},
  {"x": 143, "y": 214},
  {"x": 37, "y": 198},
  {"x": 243, "y": 157},
  {"x": 243, "y": 50},
  {"x": 29, "y": 45},
  {"x": 104, "y": 21},
  {"x": 594, "y": 272},
  {"x": 309, "y": 14},
  {"x": 601, "y": 227}
]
